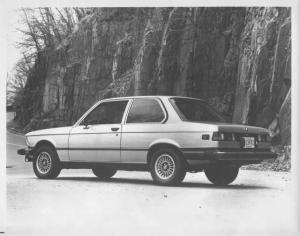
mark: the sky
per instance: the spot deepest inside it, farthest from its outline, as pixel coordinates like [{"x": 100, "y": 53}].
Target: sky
[{"x": 12, "y": 36}]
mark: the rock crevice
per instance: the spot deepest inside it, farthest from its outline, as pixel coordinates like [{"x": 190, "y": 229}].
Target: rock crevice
[{"x": 238, "y": 59}]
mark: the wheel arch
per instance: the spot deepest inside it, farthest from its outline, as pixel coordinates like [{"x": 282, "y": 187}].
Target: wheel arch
[
  {"x": 55, "y": 166},
  {"x": 44, "y": 142},
  {"x": 164, "y": 144}
]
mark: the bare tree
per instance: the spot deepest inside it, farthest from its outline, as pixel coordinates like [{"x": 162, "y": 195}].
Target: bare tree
[
  {"x": 16, "y": 82},
  {"x": 47, "y": 27},
  {"x": 43, "y": 28}
]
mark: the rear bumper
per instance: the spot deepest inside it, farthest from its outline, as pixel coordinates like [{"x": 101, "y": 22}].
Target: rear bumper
[
  {"x": 240, "y": 157},
  {"x": 27, "y": 152}
]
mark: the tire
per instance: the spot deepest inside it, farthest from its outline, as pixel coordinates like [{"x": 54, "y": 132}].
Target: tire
[
  {"x": 104, "y": 172},
  {"x": 221, "y": 174},
  {"x": 46, "y": 164},
  {"x": 167, "y": 167},
  {"x": 182, "y": 177}
]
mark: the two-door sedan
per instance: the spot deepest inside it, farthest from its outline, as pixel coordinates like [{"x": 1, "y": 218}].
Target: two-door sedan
[{"x": 166, "y": 135}]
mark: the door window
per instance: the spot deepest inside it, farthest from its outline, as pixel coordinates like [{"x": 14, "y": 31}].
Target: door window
[
  {"x": 106, "y": 113},
  {"x": 145, "y": 110}
]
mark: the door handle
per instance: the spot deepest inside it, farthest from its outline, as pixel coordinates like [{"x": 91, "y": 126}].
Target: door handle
[{"x": 115, "y": 129}]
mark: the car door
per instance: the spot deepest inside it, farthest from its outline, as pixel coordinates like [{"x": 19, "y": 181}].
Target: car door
[
  {"x": 143, "y": 125},
  {"x": 97, "y": 137}
]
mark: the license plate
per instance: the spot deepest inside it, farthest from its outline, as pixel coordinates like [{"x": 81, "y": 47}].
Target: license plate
[{"x": 248, "y": 142}]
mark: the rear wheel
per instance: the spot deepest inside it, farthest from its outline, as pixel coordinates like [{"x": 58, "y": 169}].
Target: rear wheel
[
  {"x": 104, "y": 172},
  {"x": 221, "y": 174},
  {"x": 167, "y": 167},
  {"x": 46, "y": 164}
]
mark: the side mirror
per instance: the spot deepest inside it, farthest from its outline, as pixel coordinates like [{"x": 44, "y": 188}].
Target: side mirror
[
  {"x": 89, "y": 122},
  {"x": 84, "y": 122}
]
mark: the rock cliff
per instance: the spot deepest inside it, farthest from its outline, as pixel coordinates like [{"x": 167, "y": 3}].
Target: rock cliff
[{"x": 238, "y": 59}]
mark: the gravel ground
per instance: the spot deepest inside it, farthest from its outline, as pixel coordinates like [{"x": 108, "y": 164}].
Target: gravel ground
[{"x": 77, "y": 203}]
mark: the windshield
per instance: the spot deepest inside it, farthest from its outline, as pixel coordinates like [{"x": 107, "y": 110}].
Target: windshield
[{"x": 195, "y": 110}]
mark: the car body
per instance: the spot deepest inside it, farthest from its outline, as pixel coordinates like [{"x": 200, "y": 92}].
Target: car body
[{"x": 166, "y": 135}]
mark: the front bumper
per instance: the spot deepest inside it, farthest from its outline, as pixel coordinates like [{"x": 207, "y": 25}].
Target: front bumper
[
  {"x": 27, "y": 152},
  {"x": 240, "y": 157}
]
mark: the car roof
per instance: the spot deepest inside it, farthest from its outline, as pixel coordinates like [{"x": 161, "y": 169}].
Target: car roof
[{"x": 148, "y": 96}]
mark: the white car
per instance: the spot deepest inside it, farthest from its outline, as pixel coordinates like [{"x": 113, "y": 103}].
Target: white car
[{"x": 166, "y": 135}]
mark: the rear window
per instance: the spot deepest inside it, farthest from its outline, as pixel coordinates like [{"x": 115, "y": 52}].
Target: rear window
[
  {"x": 195, "y": 110},
  {"x": 145, "y": 110}
]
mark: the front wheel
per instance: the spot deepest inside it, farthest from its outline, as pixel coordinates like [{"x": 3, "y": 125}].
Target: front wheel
[
  {"x": 104, "y": 172},
  {"x": 167, "y": 167},
  {"x": 46, "y": 164},
  {"x": 221, "y": 174}
]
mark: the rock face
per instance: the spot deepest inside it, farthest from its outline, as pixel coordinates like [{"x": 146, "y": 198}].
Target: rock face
[
  {"x": 238, "y": 59},
  {"x": 264, "y": 72}
]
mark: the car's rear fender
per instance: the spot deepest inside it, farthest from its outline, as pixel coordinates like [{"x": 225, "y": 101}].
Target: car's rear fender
[{"x": 163, "y": 143}]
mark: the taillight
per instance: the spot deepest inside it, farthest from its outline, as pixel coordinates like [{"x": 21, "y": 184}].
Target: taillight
[
  {"x": 260, "y": 138},
  {"x": 264, "y": 138},
  {"x": 223, "y": 136},
  {"x": 218, "y": 136}
]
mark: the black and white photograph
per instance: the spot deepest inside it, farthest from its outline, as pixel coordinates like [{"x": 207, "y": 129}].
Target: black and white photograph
[{"x": 162, "y": 118}]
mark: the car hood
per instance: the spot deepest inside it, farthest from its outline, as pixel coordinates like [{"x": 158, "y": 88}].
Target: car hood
[{"x": 59, "y": 130}]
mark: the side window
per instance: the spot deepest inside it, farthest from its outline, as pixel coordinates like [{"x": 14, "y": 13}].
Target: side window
[
  {"x": 106, "y": 113},
  {"x": 145, "y": 110}
]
